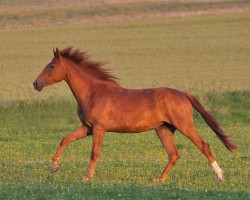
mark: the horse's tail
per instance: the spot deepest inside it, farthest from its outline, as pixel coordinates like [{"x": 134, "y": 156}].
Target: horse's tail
[{"x": 225, "y": 138}]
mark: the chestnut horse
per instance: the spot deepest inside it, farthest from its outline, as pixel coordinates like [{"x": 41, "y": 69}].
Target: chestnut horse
[{"x": 103, "y": 105}]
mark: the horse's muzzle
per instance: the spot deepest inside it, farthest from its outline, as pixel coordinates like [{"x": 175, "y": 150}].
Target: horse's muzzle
[{"x": 38, "y": 85}]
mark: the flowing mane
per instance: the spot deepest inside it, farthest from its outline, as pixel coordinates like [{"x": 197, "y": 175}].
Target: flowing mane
[{"x": 93, "y": 68}]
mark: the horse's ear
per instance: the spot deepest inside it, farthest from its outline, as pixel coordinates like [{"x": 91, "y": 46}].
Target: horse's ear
[{"x": 56, "y": 52}]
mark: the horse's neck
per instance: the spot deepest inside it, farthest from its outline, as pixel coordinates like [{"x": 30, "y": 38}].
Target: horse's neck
[
  {"x": 80, "y": 84},
  {"x": 84, "y": 85}
]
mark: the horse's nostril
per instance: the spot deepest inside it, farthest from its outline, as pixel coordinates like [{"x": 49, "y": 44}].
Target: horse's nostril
[
  {"x": 35, "y": 84},
  {"x": 38, "y": 85}
]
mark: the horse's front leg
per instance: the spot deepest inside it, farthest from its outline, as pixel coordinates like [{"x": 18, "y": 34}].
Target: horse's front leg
[
  {"x": 96, "y": 148},
  {"x": 76, "y": 135}
]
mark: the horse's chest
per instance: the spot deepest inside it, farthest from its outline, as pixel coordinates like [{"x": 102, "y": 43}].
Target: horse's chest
[
  {"x": 91, "y": 115},
  {"x": 85, "y": 116}
]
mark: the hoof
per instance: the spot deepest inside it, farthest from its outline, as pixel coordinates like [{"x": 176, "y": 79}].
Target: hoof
[
  {"x": 54, "y": 168},
  {"x": 158, "y": 180},
  {"x": 220, "y": 177},
  {"x": 87, "y": 179}
]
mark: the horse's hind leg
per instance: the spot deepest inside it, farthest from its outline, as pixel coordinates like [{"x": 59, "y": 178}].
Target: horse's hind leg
[
  {"x": 204, "y": 147},
  {"x": 166, "y": 135},
  {"x": 76, "y": 135}
]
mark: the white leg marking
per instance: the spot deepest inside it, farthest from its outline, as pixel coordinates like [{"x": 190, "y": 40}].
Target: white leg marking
[{"x": 217, "y": 170}]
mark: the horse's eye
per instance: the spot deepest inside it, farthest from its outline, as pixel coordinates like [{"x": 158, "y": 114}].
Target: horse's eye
[{"x": 52, "y": 66}]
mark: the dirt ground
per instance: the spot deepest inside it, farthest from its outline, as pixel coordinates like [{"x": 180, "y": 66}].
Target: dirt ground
[{"x": 27, "y": 13}]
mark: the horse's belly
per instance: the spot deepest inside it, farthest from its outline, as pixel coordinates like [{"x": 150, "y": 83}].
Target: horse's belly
[
  {"x": 131, "y": 125},
  {"x": 132, "y": 129}
]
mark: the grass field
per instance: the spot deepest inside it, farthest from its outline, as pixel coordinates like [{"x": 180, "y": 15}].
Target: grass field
[
  {"x": 128, "y": 163},
  {"x": 206, "y": 55}
]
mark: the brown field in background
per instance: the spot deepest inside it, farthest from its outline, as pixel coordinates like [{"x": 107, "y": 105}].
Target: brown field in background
[{"x": 27, "y": 13}]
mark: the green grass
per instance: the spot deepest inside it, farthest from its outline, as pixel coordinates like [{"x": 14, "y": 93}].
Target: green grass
[
  {"x": 208, "y": 56},
  {"x": 30, "y": 135}
]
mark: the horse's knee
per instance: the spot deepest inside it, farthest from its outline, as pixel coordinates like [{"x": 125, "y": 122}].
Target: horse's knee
[
  {"x": 94, "y": 156},
  {"x": 64, "y": 142},
  {"x": 174, "y": 157},
  {"x": 177, "y": 157}
]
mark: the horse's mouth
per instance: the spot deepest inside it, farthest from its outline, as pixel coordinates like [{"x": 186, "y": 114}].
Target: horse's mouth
[
  {"x": 39, "y": 89},
  {"x": 37, "y": 86}
]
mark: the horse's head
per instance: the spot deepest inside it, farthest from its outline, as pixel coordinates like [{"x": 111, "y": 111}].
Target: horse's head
[{"x": 54, "y": 72}]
